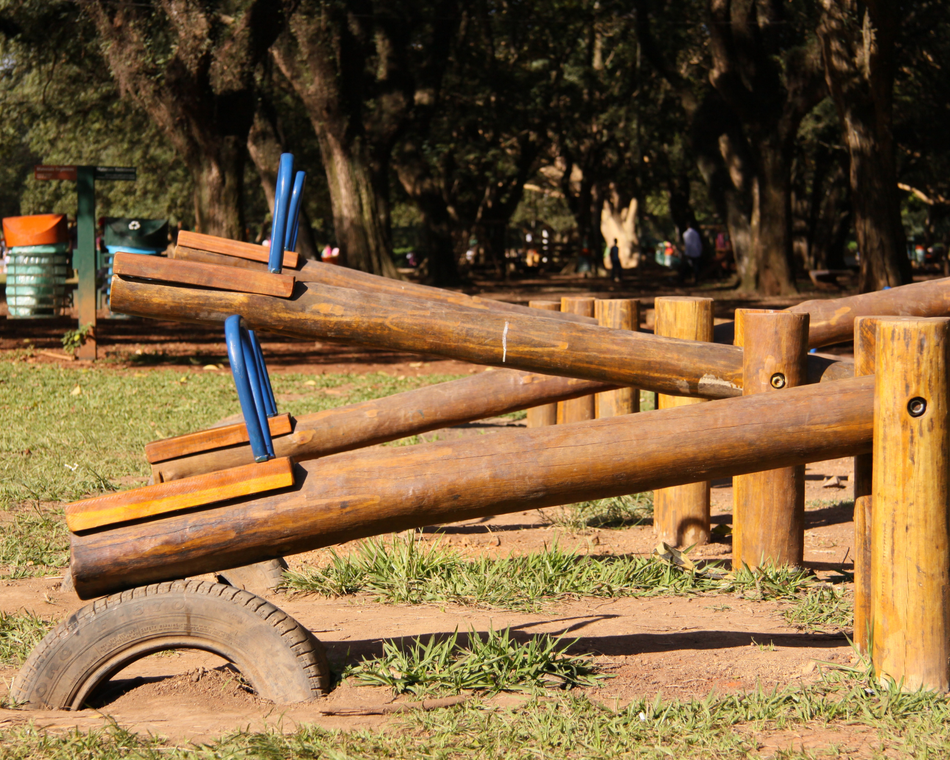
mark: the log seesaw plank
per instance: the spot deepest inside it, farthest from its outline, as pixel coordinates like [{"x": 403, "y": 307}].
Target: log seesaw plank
[
  {"x": 527, "y": 342},
  {"x": 372, "y": 491}
]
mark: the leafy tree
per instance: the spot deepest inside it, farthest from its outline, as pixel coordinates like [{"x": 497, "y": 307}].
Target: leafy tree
[{"x": 190, "y": 65}]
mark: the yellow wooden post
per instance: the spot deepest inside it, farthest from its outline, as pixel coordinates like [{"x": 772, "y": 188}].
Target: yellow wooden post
[
  {"x": 768, "y": 521},
  {"x": 577, "y": 409},
  {"x": 864, "y": 331},
  {"x": 910, "y": 536},
  {"x": 617, "y": 314},
  {"x": 546, "y": 414},
  {"x": 681, "y": 513}
]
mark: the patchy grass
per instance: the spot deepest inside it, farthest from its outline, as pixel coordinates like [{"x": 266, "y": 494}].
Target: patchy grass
[
  {"x": 859, "y": 717},
  {"x": 617, "y": 512},
  {"x": 31, "y": 541},
  {"x": 497, "y": 662},
  {"x": 19, "y": 634},
  {"x": 404, "y": 570}
]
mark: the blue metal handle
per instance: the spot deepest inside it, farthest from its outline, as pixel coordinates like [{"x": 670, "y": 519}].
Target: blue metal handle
[
  {"x": 278, "y": 236},
  {"x": 270, "y": 403},
  {"x": 296, "y": 200},
  {"x": 246, "y": 382}
]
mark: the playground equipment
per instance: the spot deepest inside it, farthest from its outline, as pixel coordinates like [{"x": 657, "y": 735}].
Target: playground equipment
[{"x": 317, "y": 484}]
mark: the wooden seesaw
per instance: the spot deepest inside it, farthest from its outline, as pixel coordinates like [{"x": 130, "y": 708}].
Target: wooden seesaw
[{"x": 363, "y": 492}]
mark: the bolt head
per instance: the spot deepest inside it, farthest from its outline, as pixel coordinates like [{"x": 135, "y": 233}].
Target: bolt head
[{"x": 778, "y": 380}]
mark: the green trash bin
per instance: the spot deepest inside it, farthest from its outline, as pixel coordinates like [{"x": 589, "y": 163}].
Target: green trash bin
[
  {"x": 36, "y": 281},
  {"x": 147, "y": 237}
]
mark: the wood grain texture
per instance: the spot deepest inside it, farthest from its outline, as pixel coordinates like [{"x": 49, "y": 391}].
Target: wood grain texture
[
  {"x": 582, "y": 408},
  {"x": 202, "y": 275},
  {"x": 832, "y": 321},
  {"x": 543, "y": 414},
  {"x": 343, "y": 277},
  {"x": 208, "y": 440},
  {"x": 163, "y": 498},
  {"x": 617, "y": 314},
  {"x": 910, "y": 535},
  {"x": 864, "y": 347},
  {"x": 529, "y": 343},
  {"x": 235, "y": 248},
  {"x": 376, "y": 491},
  {"x": 681, "y": 513},
  {"x": 368, "y": 423},
  {"x": 768, "y": 522}
]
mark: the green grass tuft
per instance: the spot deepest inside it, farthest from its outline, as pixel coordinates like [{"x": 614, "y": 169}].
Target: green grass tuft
[
  {"x": 19, "y": 634},
  {"x": 497, "y": 662}
]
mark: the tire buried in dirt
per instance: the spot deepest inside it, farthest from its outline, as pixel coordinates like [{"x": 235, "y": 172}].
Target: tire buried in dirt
[{"x": 281, "y": 659}]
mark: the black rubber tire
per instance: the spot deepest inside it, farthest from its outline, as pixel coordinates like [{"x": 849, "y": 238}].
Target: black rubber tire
[
  {"x": 281, "y": 659},
  {"x": 258, "y": 578}
]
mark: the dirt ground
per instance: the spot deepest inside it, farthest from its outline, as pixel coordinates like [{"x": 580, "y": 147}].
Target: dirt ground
[{"x": 677, "y": 647}]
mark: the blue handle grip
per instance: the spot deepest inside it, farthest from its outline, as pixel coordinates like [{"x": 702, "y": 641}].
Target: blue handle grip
[
  {"x": 296, "y": 200},
  {"x": 285, "y": 175},
  {"x": 270, "y": 403},
  {"x": 247, "y": 383}
]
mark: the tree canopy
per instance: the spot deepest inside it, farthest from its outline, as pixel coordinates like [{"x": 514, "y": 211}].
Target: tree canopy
[{"x": 805, "y": 129}]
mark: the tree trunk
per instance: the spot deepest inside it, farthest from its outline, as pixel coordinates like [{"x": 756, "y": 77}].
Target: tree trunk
[
  {"x": 219, "y": 191},
  {"x": 264, "y": 145},
  {"x": 858, "y": 46},
  {"x": 772, "y": 272}
]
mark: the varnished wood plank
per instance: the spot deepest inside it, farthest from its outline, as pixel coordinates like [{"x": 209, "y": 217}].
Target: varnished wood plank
[
  {"x": 208, "y": 440},
  {"x": 864, "y": 339},
  {"x": 236, "y": 248},
  {"x": 381, "y": 490},
  {"x": 617, "y": 314},
  {"x": 203, "y": 275},
  {"x": 163, "y": 498}
]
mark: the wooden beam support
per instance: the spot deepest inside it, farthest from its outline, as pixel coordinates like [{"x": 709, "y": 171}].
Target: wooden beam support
[
  {"x": 768, "y": 521},
  {"x": 209, "y": 440},
  {"x": 165, "y": 498},
  {"x": 681, "y": 513},
  {"x": 543, "y": 414},
  {"x": 203, "y": 275},
  {"x": 910, "y": 536},
  {"x": 373, "y": 491},
  {"x": 579, "y": 409},
  {"x": 617, "y": 314}
]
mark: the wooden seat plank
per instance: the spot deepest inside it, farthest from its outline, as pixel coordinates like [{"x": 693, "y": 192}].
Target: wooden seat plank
[
  {"x": 203, "y": 275},
  {"x": 162, "y": 498},
  {"x": 236, "y": 248},
  {"x": 208, "y": 440}
]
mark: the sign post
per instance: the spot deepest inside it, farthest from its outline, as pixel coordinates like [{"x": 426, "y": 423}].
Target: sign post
[{"x": 84, "y": 257}]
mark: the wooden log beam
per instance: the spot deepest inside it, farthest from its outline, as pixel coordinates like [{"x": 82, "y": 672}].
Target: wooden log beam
[
  {"x": 582, "y": 408},
  {"x": 832, "y": 320},
  {"x": 533, "y": 342},
  {"x": 910, "y": 535},
  {"x": 342, "y": 277},
  {"x": 543, "y": 415},
  {"x": 681, "y": 513},
  {"x": 410, "y": 413},
  {"x": 372, "y": 491}
]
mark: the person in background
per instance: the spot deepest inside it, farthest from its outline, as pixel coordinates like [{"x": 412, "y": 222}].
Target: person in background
[
  {"x": 616, "y": 270},
  {"x": 693, "y": 252}
]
